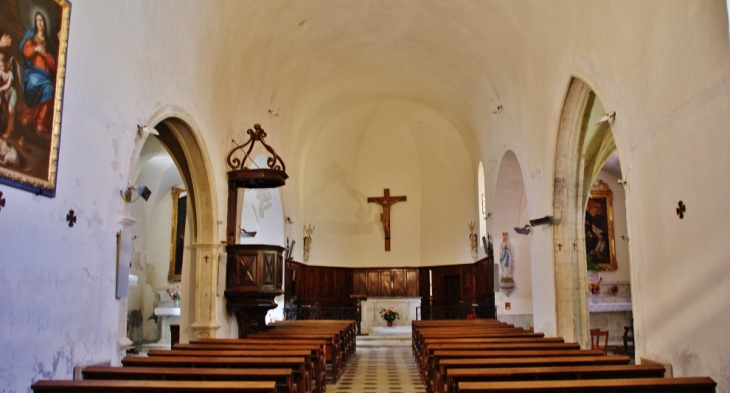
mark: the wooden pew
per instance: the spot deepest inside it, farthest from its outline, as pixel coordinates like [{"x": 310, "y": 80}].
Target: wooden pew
[
  {"x": 316, "y": 352},
  {"x": 426, "y": 338},
  {"x": 465, "y": 329},
  {"x": 282, "y": 377},
  {"x": 295, "y": 364},
  {"x": 310, "y": 367},
  {"x": 498, "y": 346},
  {"x": 322, "y": 345},
  {"x": 439, "y": 356},
  {"x": 458, "y": 375},
  {"x": 348, "y": 328},
  {"x": 489, "y": 344},
  {"x": 642, "y": 385},
  {"x": 423, "y": 359},
  {"x": 447, "y": 364},
  {"x": 121, "y": 386},
  {"x": 336, "y": 354}
]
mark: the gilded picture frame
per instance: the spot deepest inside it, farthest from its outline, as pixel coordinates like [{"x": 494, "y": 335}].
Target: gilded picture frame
[
  {"x": 177, "y": 238},
  {"x": 33, "y": 43},
  {"x": 598, "y": 223}
]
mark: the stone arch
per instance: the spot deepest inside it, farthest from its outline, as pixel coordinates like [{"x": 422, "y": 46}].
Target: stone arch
[
  {"x": 186, "y": 150},
  {"x": 577, "y": 163}
]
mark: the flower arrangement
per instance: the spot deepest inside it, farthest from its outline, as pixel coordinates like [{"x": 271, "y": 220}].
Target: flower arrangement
[
  {"x": 389, "y": 315},
  {"x": 173, "y": 293},
  {"x": 614, "y": 289},
  {"x": 595, "y": 287}
]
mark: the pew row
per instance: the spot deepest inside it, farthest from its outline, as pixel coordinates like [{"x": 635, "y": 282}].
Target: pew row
[
  {"x": 295, "y": 364},
  {"x": 122, "y": 386},
  {"x": 639, "y": 385},
  {"x": 281, "y": 377},
  {"x": 458, "y": 375}
]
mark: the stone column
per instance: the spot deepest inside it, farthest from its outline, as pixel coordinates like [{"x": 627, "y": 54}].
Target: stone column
[{"x": 204, "y": 260}]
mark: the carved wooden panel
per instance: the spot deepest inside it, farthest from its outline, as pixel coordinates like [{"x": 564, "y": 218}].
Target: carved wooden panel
[
  {"x": 386, "y": 284},
  {"x": 373, "y": 283},
  {"x": 246, "y": 272},
  {"x": 399, "y": 283},
  {"x": 360, "y": 282},
  {"x": 269, "y": 268},
  {"x": 412, "y": 283}
]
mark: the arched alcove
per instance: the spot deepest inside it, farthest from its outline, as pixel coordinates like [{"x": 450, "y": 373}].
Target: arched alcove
[
  {"x": 153, "y": 237},
  {"x": 510, "y": 211},
  {"x": 200, "y": 310}
]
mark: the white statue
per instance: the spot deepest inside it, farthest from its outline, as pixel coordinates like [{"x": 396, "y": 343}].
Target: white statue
[{"x": 507, "y": 265}]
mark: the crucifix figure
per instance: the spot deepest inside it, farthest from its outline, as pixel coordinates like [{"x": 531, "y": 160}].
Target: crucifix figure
[{"x": 386, "y": 201}]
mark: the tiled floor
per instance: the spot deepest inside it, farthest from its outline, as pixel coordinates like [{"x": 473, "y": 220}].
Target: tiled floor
[{"x": 381, "y": 370}]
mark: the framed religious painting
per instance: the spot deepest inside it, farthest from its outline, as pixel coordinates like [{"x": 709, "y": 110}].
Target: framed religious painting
[
  {"x": 177, "y": 239},
  {"x": 600, "y": 243},
  {"x": 33, "y": 42}
]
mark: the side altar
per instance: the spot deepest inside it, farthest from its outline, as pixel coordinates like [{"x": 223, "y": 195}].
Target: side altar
[{"x": 404, "y": 306}]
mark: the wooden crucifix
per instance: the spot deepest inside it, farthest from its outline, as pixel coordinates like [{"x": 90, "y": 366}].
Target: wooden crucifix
[{"x": 386, "y": 201}]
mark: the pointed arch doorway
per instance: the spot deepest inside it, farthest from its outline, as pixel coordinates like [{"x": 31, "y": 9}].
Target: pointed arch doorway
[
  {"x": 584, "y": 145},
  {"x": 184, "y": 146}
]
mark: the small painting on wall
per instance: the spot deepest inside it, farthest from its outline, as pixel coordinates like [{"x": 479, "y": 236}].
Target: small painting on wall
[
  {"x": 600, "y": 244},
  {"x": 33, "y": 41}
]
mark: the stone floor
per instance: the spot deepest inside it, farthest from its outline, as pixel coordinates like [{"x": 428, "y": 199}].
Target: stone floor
[{"x": 380, "y": 369}]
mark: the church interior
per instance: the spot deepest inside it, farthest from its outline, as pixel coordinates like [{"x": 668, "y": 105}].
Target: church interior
[{"x": 549, "y": 164}]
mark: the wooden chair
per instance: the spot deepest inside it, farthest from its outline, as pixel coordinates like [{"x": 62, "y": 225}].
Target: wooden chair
[{"x": 596, "y": 336}]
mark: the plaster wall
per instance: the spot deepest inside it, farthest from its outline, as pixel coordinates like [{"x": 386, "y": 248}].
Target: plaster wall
[
  {"x": 409, "y": 149},
  {"x": 58, "y": 282}
]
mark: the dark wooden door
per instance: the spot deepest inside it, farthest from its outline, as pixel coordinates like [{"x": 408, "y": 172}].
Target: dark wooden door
[{"x": 452, "y": 296}]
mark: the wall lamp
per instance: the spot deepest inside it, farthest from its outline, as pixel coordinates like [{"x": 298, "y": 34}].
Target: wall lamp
[
  {"x": 542, "y": 221},
  {"x": 141, "y": 191},
  {"x": 524, "y": 230}
]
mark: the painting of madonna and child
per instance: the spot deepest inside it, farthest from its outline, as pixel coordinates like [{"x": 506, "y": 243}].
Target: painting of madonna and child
[{"x": 33, "y": 40}]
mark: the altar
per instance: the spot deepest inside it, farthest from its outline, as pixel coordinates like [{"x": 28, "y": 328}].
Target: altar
[
  {"x": 611, "y": 314},
  {"x": 405, "y": 306},
  {"x": 167, "y": 312}
]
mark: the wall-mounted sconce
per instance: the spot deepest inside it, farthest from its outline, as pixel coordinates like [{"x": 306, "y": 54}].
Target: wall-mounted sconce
[
  {"x": 542, "y": 221},
  {"x": 487, "y": 216},
  {"x": 245, "y": 233},
  {"x": 144, "y": 130},
  {"x": 288, "y": 220},
  {"x": 524, "y": 230},
  {"x": 141, "y": 191},
  {"x": 608, "y": 118}
]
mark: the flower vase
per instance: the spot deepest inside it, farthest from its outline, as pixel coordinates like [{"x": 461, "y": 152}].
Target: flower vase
[
  {"x": 390, "y": 323},
  {"x": 594, "y": 298},
  {"x": 177, "y": 303}
]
